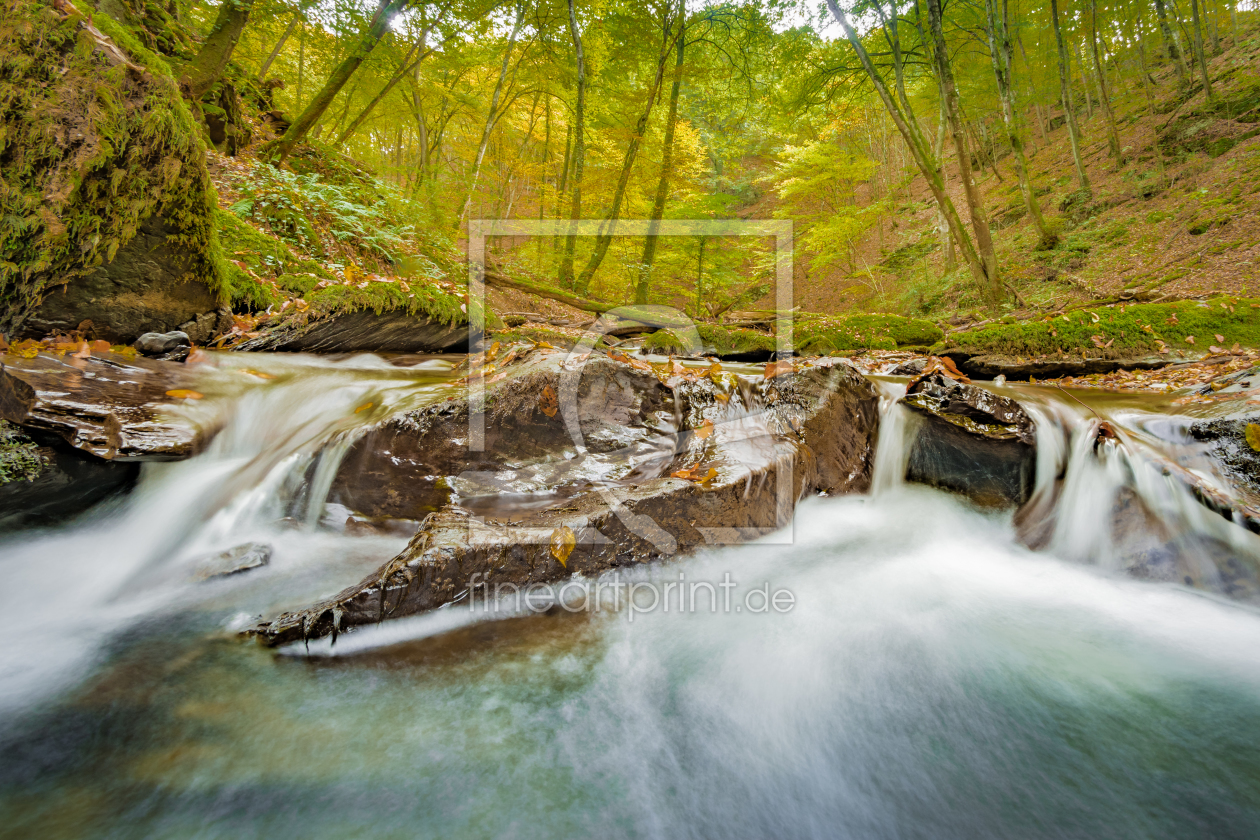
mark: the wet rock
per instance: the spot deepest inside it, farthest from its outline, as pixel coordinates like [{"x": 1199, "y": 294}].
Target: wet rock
[
  {"x": 972, "y": 442},
  {"x": 44, "y": 481},
  {"x": 242, "y": 558},
  {"x": 1228, "y": 447},
  {"x": 155, "y": 344},
  {"x": 108, "y": 405},
  {"x": 990, "y": 366},
  {"x": 728, "y": 471},
  {"x": 912, "y": 367},
  {"x": 365, "y": 332}
]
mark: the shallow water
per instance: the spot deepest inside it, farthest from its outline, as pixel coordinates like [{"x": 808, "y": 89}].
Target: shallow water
[{"x": 933, "y": 679}]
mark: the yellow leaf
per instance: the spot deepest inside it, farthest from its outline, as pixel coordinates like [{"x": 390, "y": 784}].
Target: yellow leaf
[
  {"x": 563, "y": 541},
  {"x": 364, "y": 407},
  {"x": 705, "y": 429},
  {"x": 1253, "y": 436},
  {"x": 183, "y": 394}
]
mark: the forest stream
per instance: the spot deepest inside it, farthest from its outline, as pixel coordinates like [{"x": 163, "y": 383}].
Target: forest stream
[{"x": 932, "y": 676}]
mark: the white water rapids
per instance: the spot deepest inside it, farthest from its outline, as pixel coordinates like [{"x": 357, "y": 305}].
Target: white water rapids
[{"x": 933, "y": 679}]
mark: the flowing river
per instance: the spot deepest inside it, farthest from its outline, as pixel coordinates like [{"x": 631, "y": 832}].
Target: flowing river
[{"x": 932, "y": 677}]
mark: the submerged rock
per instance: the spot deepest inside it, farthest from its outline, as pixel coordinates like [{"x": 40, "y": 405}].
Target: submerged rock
[
  {"x": 698, "y": 463},
  {"x": 44, "y": 481},
  {"x": 973, "y": 442},
  {"x": 235, "y": 560}
]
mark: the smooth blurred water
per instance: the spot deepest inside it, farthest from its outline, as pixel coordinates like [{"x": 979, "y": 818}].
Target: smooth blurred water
[{"x": 933, "y": 680}]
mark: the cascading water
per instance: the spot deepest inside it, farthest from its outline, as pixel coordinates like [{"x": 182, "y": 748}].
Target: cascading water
[{"x": 934, "y": 678}]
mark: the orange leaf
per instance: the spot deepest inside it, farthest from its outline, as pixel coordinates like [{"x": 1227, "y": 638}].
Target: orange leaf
[
  {"x": 778, "y": 368},
  {"x": 705, "y": 429},
  {"x": 563, "y": 541},
  {"x": 364, "y": 407},
  {"x": 100, "y": 346},
  {"x": 548, "y": 403},
  {"x": 184, "y": 394}
]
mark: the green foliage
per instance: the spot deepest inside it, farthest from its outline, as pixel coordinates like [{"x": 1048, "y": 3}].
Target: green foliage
[
  {"x": 272, "y": 270},
  {"x": 425, "y": 300},
  {"x": 724, "y": 341},
  {"x": 1237, "y": 320},
  {"x": 91, "y": 150},
  {"x": 20, "y": 457}
]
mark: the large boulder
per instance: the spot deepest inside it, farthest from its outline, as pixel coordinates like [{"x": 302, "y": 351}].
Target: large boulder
[
  {"x": 656, "y": 462},
  {"x": 109, "y": 203},
  {"x": 972, "y": 442},
  {"x": 364, "y": 332}
]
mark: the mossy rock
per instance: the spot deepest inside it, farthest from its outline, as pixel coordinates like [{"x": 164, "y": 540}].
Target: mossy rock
[
  {"x": 822, "y": 336},
  {"x": 107, "y": 207},
  {"x": 1121, "y": 330}
]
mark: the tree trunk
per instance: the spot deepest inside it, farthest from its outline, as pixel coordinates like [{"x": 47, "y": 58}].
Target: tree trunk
[
  {"x": 579, "y": 150},
  {"x": 908, "y": 126},
  {"x": 1200, "y": 59},
  {"x": 370, "y": 37},
  {"x": 204, "y": 70},
  {"x": 403, "y": 69},
  {"x": 288, "y": 30},
  {"x": 1170, "y": 43},
  {"x": 1113, "y": 136},
  {"x": 1003, "y": 60},
  {"x": 1065, "y": 93},
  {"x": 942, "y": 224},
  {"x": 975, "y": 203},
  {"x": 667, "y": 167},
  {"x": 492, "y": 116},
  {"x": 627, "y": 165}
]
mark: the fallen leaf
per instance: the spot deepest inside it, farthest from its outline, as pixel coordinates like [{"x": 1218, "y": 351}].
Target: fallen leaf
[
  {"x": 1189, "y": 339},
  {"x": 1253, "y": 436},
  {"x": 1097, "y": 339},
  {"x": 84, "y": 351},
  {"x": 183, "y": 394},
  {"x": 548, "y": 403},
  {"x": 1216, "y": 350},
  {"x": 100, "y": 346},
  {"x": 257, "y": 373},
  {"x": 563, "y": 541},
  {"x": 705, "y": 429},
  {"x": 197, "y": 357},
  {"x": 778, "y": 368},
  {"x": 1220, "y": 338},
  {"x": 364, "y": 407}
]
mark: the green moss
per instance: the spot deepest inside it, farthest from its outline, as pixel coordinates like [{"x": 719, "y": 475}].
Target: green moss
[
  {"x": 1122, "y": 328},
  {"x": 20, "y": 457},
  {"x": 277, "y": 270},
  {"x": 90, "y": 150},
  {"x": 856, "y": 332},
  {"x": 536, "y": 333}
]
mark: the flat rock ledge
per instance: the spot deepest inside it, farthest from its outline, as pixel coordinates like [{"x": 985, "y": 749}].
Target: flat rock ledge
[{"x": 716, "y": 459}]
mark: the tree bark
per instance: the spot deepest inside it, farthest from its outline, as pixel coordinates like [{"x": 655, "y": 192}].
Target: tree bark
[
  {"x": 1170, "y": 43},
  {"x": 579, "y": 150},
  {"x": 1200, "y": 59},
  {"x": 368, "y": 39},
  {"x": 975, "y": 203},
  {"x": 1003, "y": 60},
  {"x": 492, "y": 116},
  {"x": 667, "y": 168},
  {"x": 627, "y": 165},
  {"x": 403, "y": 69},
  {"x": 288, "y": 30},
  {"x": 204, "y": 70},
  {"x": 919, "y": 148},
  {"x": 1065, "y": 93},
  {"x": 1113, "y": 136}
]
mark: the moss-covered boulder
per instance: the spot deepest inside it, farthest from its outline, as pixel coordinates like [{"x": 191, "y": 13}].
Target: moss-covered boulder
[{"x": 106, "y": 208}]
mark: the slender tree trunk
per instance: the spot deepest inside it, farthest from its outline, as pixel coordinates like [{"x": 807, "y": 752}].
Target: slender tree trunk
[
  {"x": 1065, "y": 92},
  {"x": 288, "y": 30},
  {"x": 1170, "y": 43},
  {"x": 1085, "y": 85},
  {"x": 1113, "y": 136},
  {"x": 579, "y": 151},
  {"x": 492, "y": 116},
  {"x": 975, "y": 203},
  {"x": 301, "y": 61},
  {"x": 942, "y": 224},
  {"x": 368, "y": 39},
  {"x": 212, "y": 59},
  {"x": 403, "y": 69},
  {"x": 920, "y": 150},
  {"x": 667, "y": 168},
  {"x": 700, "y": 278},
  {"x": 627, "y": 165},
  {"x": 1200, "y": 59},
  {"x": 1003, "y": 61}
]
